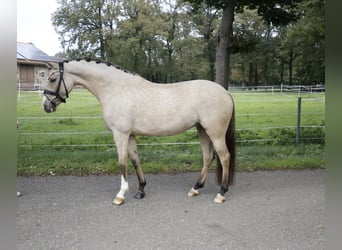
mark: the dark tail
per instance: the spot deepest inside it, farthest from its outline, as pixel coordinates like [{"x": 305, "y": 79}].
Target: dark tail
[{"x": 231, "y": 145}]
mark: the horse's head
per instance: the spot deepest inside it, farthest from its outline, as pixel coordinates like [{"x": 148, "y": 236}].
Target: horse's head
[{"x": 57, "y": 89}]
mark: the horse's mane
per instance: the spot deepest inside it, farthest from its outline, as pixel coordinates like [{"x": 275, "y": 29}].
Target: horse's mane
[{"x": 99, "y": 61}]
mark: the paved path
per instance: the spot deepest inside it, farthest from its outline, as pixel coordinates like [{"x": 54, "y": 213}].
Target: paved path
[{"x": 264, "y": 210}]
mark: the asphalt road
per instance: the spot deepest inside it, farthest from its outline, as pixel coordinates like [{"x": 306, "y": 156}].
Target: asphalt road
[{"x": 263, "y": 210}]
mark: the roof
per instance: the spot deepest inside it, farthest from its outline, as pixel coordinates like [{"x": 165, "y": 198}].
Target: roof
[{"x": 27, "y": 51}]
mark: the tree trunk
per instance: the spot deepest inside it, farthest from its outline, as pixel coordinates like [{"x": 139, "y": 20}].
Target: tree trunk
[
  {"x": 224, "y": 44},
  {"x": 169, "y": 74},
  {"x": 100, "y": 33},
  {"x": 256, "y": 79},
  {"x": 282, "y": 71},
  {"x": 266, "y": 73},
  {"x": 211, "y": 59},
  {"x": 250, "y": 74},
  {"x": 290, "y": 66}
]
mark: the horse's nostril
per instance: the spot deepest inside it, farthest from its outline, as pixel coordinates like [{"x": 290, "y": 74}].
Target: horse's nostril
[{"x": 48, "y": 108}]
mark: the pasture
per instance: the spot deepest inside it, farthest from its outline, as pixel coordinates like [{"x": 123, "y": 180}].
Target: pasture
[{"x": 75, "y": 140}]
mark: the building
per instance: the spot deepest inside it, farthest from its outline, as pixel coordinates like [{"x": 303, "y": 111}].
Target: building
[{"x": 32, "y": 68}]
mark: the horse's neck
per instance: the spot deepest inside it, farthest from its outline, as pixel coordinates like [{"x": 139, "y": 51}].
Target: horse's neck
[{"x": 98, "y": 78}]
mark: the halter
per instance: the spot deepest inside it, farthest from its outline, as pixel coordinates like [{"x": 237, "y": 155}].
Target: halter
[{"x": 56, "y": 93}]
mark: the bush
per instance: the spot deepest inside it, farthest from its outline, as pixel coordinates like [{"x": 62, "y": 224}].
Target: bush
[
  {"x": 282, "y": 136},
  {"x": 246, "y": 136}
]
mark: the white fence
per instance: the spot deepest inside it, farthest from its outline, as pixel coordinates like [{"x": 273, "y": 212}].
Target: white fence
[
  {"x": 233, "y": 89},
  {"x": 298, "y": 89}
]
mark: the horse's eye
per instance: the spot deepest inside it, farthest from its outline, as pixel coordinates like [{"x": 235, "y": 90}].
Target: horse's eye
[{"x": 52, "y": 77}]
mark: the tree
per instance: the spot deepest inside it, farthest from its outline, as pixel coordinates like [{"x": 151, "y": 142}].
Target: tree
[
  {"x": 176, "y": 40},
  {"x": 81, "y": 25},
  {"x": 277, "y": 12},
  {"x": 249, "y": 30},
  {"x": 303, "y": 44},
  {"x": 224, "y": 37},
  {"x": 137, "y": 42},
  {"x": 206, "y": 23}
]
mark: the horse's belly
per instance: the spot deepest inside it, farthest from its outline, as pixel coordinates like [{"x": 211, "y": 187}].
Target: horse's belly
[{"x": 164, "y": 126}]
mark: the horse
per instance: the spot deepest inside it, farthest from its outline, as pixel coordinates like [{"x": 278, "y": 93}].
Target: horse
[{"x": 132, "y": 106}]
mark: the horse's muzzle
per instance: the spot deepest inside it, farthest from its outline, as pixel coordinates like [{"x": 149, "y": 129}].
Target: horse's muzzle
[{"x": 48, "y": 106}]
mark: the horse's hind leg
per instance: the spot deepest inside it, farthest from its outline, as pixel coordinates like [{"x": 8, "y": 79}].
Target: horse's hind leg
[
  {"x": 224, "y": 157},
  {"x": 208, "y": 155},
  {"x": 133, "y": 153}
]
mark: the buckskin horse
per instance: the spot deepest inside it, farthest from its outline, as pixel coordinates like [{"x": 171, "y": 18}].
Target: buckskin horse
[{"x": 133, "y": 106}]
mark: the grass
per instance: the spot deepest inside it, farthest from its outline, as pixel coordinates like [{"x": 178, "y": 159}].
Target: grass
[{"x": 58, "y": 143}]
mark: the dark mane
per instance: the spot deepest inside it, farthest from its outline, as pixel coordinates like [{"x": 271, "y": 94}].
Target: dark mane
[{"x": 99, "y": 61}]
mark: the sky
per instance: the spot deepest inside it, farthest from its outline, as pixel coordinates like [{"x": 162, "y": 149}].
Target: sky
[{"x": 34, "y": 25}]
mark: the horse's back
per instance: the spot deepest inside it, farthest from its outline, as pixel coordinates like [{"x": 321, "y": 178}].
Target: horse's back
[
  {"x": 165, "y": 109},
  {"x": 200, "y": 96},
  {"x": 196, "y": 91}
]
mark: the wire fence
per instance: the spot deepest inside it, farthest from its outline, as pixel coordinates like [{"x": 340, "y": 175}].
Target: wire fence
[
  {"x": 250, "y": 139},
  {"x": 82, "y": 133},
  {"x": 282, "y": 88}
]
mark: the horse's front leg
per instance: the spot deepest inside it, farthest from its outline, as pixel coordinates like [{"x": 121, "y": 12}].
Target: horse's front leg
[{"x": 121, "y": 141}]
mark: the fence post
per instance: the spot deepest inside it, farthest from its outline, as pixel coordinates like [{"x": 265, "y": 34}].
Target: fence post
[
  {"x": 19, "y": 88},
  {"x": 298, "y": 120}
]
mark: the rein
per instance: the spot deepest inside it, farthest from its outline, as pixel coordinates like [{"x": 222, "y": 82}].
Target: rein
[{"x": 56, "y": 93}]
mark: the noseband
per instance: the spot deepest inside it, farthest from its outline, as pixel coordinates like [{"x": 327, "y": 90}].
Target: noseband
[{"x": 56, "y": 93}]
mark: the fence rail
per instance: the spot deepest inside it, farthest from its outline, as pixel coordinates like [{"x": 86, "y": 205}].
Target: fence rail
[
  {"x": 192, "y": 130},
  {"x": 158, "y": 143},
  {"x": 280, "y": 88}
]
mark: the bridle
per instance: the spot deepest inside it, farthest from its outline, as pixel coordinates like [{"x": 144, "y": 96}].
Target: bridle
[{"x": 56, "y": 93}]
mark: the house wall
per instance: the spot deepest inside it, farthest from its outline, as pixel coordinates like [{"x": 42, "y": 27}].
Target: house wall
[{"x": 31, "y": 76}]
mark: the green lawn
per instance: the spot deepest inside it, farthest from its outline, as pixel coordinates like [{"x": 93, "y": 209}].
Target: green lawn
[{"x": 74, "y": 140}]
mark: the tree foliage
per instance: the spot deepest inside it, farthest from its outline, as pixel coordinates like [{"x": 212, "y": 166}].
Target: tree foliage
[
  {"x": 174, "y": 40},
  {"x": 305, "y": 42}
]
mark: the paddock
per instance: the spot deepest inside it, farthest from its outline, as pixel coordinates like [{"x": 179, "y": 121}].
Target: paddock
[
  {"x": 265, "y": 125},
  {"x": 265, "y": 210}
]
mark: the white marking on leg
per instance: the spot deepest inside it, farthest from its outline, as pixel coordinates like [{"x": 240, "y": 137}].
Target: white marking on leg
[
  {"x": 123, "y": 189},
  {"x": 193, "y": 192},
  {"x": 219, "y": 198}
]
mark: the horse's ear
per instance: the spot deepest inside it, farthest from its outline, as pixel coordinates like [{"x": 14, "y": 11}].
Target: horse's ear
[
  {"x": 53, "y": 69},
  {"x": 51, "y": 65}
]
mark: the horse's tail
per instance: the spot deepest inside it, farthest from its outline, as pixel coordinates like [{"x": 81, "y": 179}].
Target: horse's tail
[{"x": 231, "y": 145}]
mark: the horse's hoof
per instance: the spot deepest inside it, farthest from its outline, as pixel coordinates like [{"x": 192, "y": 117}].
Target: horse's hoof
[
  {"x": 219, "y": 198},
  {"x": 139, "y": 195},
  {"x": 118, "y": 201},
  {"x": 193, "y": 192}
]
